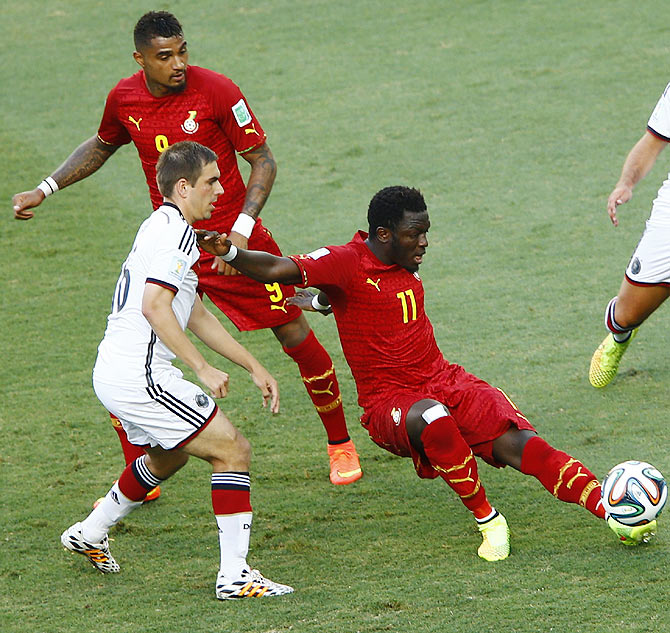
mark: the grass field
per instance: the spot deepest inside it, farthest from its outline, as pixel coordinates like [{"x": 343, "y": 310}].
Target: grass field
[{"x": 514, "y": 119}]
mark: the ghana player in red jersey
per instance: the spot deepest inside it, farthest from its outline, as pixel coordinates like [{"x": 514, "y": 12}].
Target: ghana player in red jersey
[
  {"x": 168, "y": 101},
  {"x": 416, "y": 403}
]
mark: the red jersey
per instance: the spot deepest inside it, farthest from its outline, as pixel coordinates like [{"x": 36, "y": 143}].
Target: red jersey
[
  {"x": 386, "y": 336},
  {"x": 211, "y": 110}
]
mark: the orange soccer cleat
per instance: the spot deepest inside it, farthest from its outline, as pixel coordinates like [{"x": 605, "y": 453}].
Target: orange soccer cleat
[{"x": 344, "y": 465}]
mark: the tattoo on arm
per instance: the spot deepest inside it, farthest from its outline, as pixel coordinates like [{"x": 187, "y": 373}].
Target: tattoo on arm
[
  {"x": 84, "y": 161},
  {"x": 261, "y": 179}
]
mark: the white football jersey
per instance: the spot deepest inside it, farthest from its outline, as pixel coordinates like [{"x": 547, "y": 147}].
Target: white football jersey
[
  {"x": 659, "y": 125},
  {"x": 164, "y": 252}
]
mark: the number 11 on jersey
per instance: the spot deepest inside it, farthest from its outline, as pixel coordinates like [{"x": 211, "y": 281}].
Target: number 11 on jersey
[{"x": 403, "y": 296}]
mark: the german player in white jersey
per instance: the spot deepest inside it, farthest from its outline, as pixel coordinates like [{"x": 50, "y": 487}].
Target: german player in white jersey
[
  {"x": 646, "y": 282},
  {"x": 171, "y": 418}
]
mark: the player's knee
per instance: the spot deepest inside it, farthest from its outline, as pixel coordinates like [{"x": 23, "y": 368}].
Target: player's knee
[
  {"x": 232, "y": 454},
  {"x": 508, "y": 448},
  {"x": 293, "y": 333}
]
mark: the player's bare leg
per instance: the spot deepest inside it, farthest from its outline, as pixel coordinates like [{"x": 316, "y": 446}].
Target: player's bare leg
[
  {"x": 318, "y": 375},
  {"x": 623, "y": 316},
  {"x": 636, "y": 303}
]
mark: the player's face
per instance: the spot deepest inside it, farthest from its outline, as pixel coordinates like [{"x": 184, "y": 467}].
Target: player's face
[
  {"x": 202, "y": 196},
  {"x": 409, "y": 241},
  {"x": 164, "y": 62}
]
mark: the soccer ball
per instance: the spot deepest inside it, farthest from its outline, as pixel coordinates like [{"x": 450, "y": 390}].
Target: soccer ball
[{"x": 634, "y": 493}]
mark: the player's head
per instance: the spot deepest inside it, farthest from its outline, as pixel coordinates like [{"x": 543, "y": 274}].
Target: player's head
[
  {"x": 156, "y": 24},
  {"x": 398, "y": 223},
  {"x": 160, "y": 49},
  {"x": 188, "y": 176}
]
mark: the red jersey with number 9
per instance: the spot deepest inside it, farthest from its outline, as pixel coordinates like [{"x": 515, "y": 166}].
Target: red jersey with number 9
[{"x": 210, "y": 110}]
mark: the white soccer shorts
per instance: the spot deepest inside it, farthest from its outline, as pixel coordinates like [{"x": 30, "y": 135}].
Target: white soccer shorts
[
  {"x": 650, "y": 263},
  {"x": 167, "y": 414}
]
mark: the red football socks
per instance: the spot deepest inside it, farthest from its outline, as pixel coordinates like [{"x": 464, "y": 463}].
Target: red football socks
[
  {"x": 231, "y": 493},
  {"x": 318, "y": 375},
  {"x": 130, "y": 451},
  {"x": 565, "y": 477},
  {"x": 452, "y": 458}
]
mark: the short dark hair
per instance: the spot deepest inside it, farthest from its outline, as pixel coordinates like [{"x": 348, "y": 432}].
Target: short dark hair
[
  {"x": 389, "y": 204},
  {"x": 185, "y": 159},
  {"x": 155, "y": 24}
]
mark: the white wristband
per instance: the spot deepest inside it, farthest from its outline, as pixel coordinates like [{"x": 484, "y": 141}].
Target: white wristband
[
  {"x": 244, "y": 225},
  {"x": 48, "y": 186},
  {"x": 231, "y": 254},
  {"x": 317, "y": 305}
]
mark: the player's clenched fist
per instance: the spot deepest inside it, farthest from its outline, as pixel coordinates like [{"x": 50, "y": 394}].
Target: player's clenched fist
[
  {"x": 215, "y": 380},
  {"x": 22, "y": 202}
]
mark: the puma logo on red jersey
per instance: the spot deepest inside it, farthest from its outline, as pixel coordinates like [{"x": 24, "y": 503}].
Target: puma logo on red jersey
[
  {"x": 373, "y": 283},
  {"x": 137, "y": 123}
]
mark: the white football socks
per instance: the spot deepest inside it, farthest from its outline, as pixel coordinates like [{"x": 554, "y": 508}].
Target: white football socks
[
  {"x": 113, "y": 507},
  {"x": 234, "y": 533}
]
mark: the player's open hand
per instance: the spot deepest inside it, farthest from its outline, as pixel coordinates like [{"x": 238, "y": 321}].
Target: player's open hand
[
  {"x": 215, "y": 380},
  {"x": 213, "y": 242},
  {"x": 303, "y": 300},
  {"x": 268, "y": 386},
  {"x": 22, "y": 202},
  {"x": 620, "y": 195}
]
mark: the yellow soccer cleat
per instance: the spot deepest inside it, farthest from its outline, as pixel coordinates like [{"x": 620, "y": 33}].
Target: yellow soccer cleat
[
  {"x": 605, "y": 360},
  {"x": 344, "y": 465},
  {"x": 632, "y": 534},
  {"x": 495, "y": 539}
]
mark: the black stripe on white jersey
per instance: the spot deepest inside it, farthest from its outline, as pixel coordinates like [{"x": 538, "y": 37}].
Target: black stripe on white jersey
[
  {"x": 187, "y": 241},
  {"x": 178, "y": 407},
  {"x": 150, "y": 354}
]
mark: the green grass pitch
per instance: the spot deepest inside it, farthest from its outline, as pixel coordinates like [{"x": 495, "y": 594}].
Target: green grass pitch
[{"x": 514, "y": 119}]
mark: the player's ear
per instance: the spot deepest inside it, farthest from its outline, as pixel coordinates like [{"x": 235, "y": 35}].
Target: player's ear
[
  {"x": 181, "y": 187},
  {"x": 383, "y": 234},
  {"x": 139, "y": 58}
]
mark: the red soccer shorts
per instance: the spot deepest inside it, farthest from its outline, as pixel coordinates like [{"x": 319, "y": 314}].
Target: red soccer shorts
[
  {"x": 482, "y": 413},
  {"x": 249, "y": 304}
]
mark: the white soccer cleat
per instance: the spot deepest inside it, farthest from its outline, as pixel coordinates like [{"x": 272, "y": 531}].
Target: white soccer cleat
[
  {"x": 252, "y": 584},
  {"x": 97, "y": 553}
]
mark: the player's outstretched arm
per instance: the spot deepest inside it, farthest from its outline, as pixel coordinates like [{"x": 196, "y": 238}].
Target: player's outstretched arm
[
  {"x": 258, "y": 265},
  {"x": 84, "y": 161},
  {"x": 637, "y": 165},
  {"x": 210, "y": 331}
]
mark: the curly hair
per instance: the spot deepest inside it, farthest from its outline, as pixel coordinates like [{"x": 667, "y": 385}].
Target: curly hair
[
  {"x": 155, "y": 24},
  {"x": 388, "y": 205}
]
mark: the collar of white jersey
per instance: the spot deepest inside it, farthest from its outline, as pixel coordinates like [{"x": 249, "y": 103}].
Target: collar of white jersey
[{"x": 174, "y": 206}]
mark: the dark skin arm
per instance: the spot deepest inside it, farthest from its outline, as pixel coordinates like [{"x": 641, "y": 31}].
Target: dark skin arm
[
  {"x": 84, "y": 161},
  {"x": 258, "y": 265},
  {"x": 259, "y": 185},
  {"x": 303, "y": 300}
]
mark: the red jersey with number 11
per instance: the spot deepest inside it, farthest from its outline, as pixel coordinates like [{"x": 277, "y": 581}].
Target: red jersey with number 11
[
  {"x": 386, "y": 336},
  {"x": 210, "y": 110}
]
